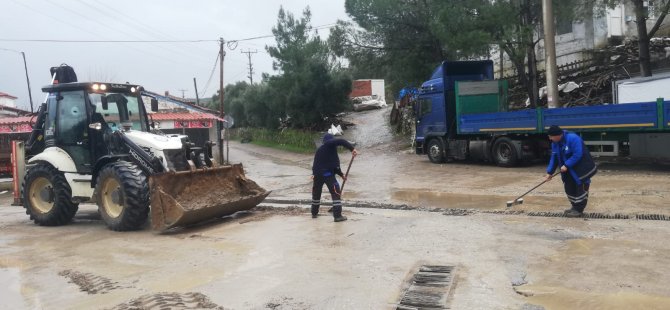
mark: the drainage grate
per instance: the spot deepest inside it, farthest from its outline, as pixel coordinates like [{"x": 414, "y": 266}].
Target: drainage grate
[
  {"x": 616, "y": 216},
  {"x": 652, "y": 217},
  {"x": 429, "y": 288}
]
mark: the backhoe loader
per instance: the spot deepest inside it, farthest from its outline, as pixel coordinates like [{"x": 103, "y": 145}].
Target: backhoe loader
[{"x": 92, "y": 142}]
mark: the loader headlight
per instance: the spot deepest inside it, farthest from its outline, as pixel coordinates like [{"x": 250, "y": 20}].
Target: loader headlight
[
  {"x": 103, "y": 87},
  {"x": 132, "y": 89},
  {"x": 95, "y": 87}
]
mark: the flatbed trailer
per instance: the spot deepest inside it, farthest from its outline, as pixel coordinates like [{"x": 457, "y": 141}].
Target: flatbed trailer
[{"x": 462, "y": 114}]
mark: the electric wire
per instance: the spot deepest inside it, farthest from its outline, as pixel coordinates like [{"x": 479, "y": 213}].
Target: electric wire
[{"x": 211, "y": 74}]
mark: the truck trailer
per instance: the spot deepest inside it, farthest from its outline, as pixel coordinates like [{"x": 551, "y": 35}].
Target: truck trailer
[{"x": 462, "y": 113}]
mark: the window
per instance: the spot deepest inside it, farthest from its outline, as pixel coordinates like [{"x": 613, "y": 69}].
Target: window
[
  {"x": 425, "y": 106},
  {"x": 564, "y": 20},
  {"x": 120, "y": 108},
  {"x": 563, "y": 27},
  {"x": 72, "y": 119}
]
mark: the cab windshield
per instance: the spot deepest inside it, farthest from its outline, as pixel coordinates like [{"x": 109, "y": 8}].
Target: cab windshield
[{"x": 120, "y": 108}]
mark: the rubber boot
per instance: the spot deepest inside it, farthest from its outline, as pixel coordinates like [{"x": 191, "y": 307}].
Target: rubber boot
[
  {"x": 574, "y": 213},
  {"x": 337, "y": 214},
  {"x": 315, "y": 211}
]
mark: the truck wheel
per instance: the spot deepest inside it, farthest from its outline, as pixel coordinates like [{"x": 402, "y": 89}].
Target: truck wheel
[
  {"x": 504, "y": 152},
  {"x": 47, "y": 196},
  {"x": 122, "y": 192},
  {"x": 435, "y": 151}
]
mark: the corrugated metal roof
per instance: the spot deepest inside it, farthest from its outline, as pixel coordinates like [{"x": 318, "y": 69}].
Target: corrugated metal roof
[
  {"x": 7, "y": 95},
  {"x": 155, "y": 116},
  {"x": 193, "y": 116},
  {"x": 15, "y": 120}
]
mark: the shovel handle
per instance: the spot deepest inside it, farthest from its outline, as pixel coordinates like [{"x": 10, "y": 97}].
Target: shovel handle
[{"x": 346, "y": 174}]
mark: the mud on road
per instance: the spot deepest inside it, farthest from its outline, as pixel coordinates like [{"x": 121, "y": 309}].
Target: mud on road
[{"x": 278, "y": 257}]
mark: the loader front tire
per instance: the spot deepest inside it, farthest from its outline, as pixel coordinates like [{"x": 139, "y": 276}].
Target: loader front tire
[
  {"x": 47, "y": 197},
  {"x": 122, "y": 194}
]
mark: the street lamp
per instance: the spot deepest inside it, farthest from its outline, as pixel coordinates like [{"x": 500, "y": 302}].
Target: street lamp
[{"x": 25, "y": 66}]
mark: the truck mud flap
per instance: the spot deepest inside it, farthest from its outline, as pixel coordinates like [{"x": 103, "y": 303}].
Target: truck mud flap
[{"x": 189, "y": 197}]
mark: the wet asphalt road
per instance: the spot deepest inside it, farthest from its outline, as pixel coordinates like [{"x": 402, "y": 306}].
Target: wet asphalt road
[{"x": 280, "y": 258}]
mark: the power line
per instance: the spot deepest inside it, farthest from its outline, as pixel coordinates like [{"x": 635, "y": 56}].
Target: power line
[
  {"x": 106, "y": 25},
  {"x": 33, "y": 9},
  {"x": 229, "y": 43},
  {"x": 9, "y": 50},
  {"x": 211, "y": 74},
  {"x": 105, "y": 41},
  {"x": 325, "y": 26},
  {"x": 133, "y": 20}
]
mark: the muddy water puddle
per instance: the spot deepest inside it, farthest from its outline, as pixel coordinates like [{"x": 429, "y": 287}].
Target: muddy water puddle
[
  {"x": 10, "y": 288},
  {"x": 465, "y": 201},
  {"x": 599, "y": 274},
  {"x": 562, "y": 298}
]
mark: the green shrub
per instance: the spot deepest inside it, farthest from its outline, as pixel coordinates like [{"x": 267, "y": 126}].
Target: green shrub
[{"x": 300, "y": 141}]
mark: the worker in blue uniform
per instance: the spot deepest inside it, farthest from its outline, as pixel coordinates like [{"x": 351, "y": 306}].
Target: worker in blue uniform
[
  {"x": 326, "y": 165},
  {"x": 570, "y": 155}
]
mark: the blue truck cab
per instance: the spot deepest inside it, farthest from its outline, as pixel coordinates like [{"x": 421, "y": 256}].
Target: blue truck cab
[
  {"x": 436, "y": 113},
  {"x": 462, "y": 113}
]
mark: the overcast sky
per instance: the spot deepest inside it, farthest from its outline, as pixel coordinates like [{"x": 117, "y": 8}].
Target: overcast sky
[{"x": 157, "y": 66}]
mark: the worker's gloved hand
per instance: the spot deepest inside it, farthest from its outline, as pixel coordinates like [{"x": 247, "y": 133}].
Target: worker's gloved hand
[
  {"x": 564, "y": 169},
  {"x": 354, "y": 152},
  {"x": 548, "y": 177}
]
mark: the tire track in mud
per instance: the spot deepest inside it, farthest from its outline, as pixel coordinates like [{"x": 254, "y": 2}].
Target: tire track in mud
[
  {"x": 90, "y": 283},
  {"x": 167, "y": 300}
]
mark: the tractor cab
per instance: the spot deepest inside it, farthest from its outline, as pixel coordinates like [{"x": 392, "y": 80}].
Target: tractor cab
[{"x": 80, "y": 117}]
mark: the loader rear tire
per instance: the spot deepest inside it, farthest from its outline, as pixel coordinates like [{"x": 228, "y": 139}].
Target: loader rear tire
[
  {"x": 122, "y": 194},
  {"x": 47, "y": 197}
]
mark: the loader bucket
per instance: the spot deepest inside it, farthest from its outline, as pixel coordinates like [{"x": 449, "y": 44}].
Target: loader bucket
[{"x": 188, "y": 197}]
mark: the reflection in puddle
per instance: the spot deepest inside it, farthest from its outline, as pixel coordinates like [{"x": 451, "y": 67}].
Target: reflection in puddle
[
  {"x": 448, "y": 200},
  {"x": 10, "y": 289},
  {"x": 465, "y": 201}
]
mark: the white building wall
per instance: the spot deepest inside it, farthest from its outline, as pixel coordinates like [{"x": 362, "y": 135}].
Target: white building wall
[
  {"x": 378, "y": 89},
  {"x": 570, "y": 47},
  {"x": 8, "y": 102}
]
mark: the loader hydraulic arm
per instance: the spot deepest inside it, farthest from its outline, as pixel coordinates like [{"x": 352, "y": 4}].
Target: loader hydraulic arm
[
  {"x": 149, "y": 164},
  {"x": 35, "y": 143}
]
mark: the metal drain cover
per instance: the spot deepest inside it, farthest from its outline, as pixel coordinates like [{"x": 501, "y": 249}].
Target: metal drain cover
[{"x": 429, "y": 288}]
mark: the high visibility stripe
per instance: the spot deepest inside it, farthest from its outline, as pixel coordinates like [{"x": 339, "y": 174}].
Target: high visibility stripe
[
  {"x": 607, "y": 126},
  {"x": 578, "y": 197},
  {"x": 508, "y": 129}
]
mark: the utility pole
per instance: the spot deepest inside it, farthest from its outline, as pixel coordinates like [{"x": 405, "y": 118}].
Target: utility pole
[
  {"x": 182, "y": 93},
  {"x": 550, "y": 55},
  {"x": 222, "y": 55},
  {"x": 197, "y": 98},
  {"x": 251, "y": 68},
  {"x": 30, "y": 95}
]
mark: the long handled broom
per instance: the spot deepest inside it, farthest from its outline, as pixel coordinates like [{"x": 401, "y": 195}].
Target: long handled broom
[{"x": 519, "y": 200}]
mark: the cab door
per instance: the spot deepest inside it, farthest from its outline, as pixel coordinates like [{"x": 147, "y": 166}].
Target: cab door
[{"x": 71, "y": 128}]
